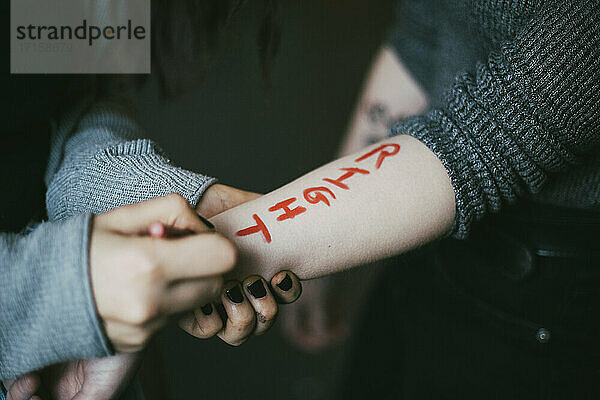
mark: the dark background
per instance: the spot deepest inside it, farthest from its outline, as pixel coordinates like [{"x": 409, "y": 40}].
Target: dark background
[{"x": 232, "y": 127}]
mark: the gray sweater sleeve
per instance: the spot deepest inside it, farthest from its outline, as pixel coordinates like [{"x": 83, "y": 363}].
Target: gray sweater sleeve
[
  {"x": 532, "y": 109},
  {"x": 97, "y": 163},
  {"x": 47, "y": 312}
]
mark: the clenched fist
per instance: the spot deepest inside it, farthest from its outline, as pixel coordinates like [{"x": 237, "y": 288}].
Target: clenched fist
[{"x": 139, "y": 281}]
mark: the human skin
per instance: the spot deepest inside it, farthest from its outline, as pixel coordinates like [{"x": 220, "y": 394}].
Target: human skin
[
  {"x": 105, "y": 378},
  {"x": 169, "y": 276},
  {"x": 405, "y": 200},
  {"x": 139, "y": 281},
  {"x": 389, "y": 89},
  {"x": 255, "y": 314}
]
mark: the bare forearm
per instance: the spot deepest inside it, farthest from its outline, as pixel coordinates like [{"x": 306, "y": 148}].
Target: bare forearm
[{"x": 384, "y": 200}]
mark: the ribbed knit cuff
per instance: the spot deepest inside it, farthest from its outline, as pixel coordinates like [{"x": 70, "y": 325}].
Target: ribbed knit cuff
[
  {"x": 121, "y": 174},
  {"x": 73, "y": 328},
  {"x": 144, "y": 161}
]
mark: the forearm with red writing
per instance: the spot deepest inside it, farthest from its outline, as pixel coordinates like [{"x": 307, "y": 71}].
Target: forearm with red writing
[{"x": 384, "y": 200}]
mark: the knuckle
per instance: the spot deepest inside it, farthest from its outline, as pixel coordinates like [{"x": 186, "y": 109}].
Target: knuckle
[
  {"x": 150, "y": 269},
  {"x": 218, "y": 325},
  {"x": 201, "y": 333},
  {"x": 177, "y": 200},
  {"x": 144, "y": 337},
  {"x": 244, "y": 320},
  {"x": 268, "y": 314},
  {"x": 139, "y": 337},
  {"x": 234, "y": 341},
  {"x": 143, "y": 260},
  {"x": 202, "y": 327},
  {"x": 142, "y": 312},
  {"x": 210, "y": 330}
]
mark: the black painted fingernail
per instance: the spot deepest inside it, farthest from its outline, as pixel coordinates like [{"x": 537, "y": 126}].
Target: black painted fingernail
[
  {"x": 207, "y": 309},
  {"x": 285, "y": 284},
  {"x": 206, "y": 222},
  {"x": 257, "y": 289},
  {"x": 235, "y": 294}
]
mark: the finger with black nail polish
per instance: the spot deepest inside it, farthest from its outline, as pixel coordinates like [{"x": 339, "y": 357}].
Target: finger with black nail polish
[
  {"x": 286, "y": 287},
  {"x": 202, "y": 323},
  {"x": 235, "y": 294},
  {"x": 256, "y": 288},
  {"x": 241, "y": 319},
  {"x": 262, "y": 301}
]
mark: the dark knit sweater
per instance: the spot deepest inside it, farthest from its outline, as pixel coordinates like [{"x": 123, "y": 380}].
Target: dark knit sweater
[{"x": 515, "y": 98}]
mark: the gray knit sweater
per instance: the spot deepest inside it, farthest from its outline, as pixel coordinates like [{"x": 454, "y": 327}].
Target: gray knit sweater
[
  {"x": 47, "y": 311},
  {"x": 522, "y": 107},
  {"x": 515, "y": 89}
]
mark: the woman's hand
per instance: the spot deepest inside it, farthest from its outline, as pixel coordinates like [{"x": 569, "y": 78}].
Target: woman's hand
[
  {"x": 97, "y": 379},
  {"x": 245, "y": 308},
  {"x": 139, "y": 281}
]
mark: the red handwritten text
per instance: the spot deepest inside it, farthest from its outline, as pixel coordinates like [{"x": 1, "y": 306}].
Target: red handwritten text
[
  {"x": 287, "y": 212},
  {"x": 316, "y": 195},
  {"x": 259, "y": 227},
  {"x": 319, "y": 194},
  {"x": 349, "y": 173},
  {"x": 383, "y": 153}
]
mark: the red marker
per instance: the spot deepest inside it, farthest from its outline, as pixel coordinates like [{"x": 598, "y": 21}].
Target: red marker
[{"x": 157, "y": 230}]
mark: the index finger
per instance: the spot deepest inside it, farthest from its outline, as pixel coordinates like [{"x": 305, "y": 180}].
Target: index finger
[
  {"x": 173, "y": 211},
  {"x": 193, "y": 256}
]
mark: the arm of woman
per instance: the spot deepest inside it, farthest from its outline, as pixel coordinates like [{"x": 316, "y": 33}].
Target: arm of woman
[
  {"x": 386, "y": 199},
  {"x": 531, "y": 110}
]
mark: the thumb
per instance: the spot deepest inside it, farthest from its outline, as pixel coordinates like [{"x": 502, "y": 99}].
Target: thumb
[
  {"x": 173, "y": 211},
  {"x": 193, "y": 256},
  {"x": 219, "y": 198}
]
